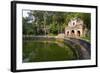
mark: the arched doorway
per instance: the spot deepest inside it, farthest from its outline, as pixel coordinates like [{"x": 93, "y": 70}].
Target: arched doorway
[
  {"x": 78, "y": 33},
  {"x": 67, "y": 33},
  {"x": 72, "y": 33}
]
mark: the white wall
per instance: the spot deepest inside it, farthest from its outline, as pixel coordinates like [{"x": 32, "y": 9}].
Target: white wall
[{"x": 5, "y": 36}]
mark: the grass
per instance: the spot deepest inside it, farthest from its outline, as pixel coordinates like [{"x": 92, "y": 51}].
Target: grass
[
  {"x": 50, "y": 34},
  {"x": 88, "y": 39}
]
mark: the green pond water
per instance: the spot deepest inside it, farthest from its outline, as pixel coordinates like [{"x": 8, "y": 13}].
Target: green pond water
[{"x": 45, "y": 50}]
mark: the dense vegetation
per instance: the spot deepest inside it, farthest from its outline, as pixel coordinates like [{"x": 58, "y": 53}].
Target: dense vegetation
[{"x": 51, "y": 23}]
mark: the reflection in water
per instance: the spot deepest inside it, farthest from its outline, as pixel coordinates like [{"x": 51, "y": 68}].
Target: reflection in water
[{"x": 46, "y": 50}]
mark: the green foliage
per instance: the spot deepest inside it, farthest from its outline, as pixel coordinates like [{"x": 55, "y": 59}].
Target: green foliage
[
  {"x": 53, "y": 29},
  {"x": 86, "y": 17},
  {"x": 28, "y": 28},
  {"x": 55, "y": 21}
]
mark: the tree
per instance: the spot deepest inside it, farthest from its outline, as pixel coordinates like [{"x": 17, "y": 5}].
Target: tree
[
  {"x": 86, "y": 17},
  {"x": 52, "y": 22}
]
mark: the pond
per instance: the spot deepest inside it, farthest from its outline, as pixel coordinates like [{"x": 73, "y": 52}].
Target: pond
[{"x": 47, "y": 50}]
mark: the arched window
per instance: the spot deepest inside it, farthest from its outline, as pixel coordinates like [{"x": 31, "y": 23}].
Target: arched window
[{"x": 73, "y": 23}]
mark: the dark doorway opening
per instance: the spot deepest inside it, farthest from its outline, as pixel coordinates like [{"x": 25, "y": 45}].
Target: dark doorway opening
[
  {"x": 73, "y": 33},
  {"x": 78, "y": 33},
  {"x": 67, "y": 33}
]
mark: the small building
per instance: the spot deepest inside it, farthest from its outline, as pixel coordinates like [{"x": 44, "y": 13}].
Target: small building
[{"x": 75, "y": 28}]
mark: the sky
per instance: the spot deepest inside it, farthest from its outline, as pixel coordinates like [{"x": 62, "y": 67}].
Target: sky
[{"x": 25, "y": 13}]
